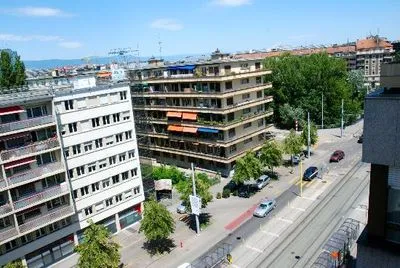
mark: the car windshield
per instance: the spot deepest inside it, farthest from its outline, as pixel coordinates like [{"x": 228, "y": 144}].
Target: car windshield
[
  {"x": 260, "y": 180},
  {"x": 263, "y": 206}
]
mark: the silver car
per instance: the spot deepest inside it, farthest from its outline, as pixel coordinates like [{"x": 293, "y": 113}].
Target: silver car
[
  {"x": 264, "y": 207},
  {"x": 181, "y": 209},
  {"x": 262, "y": 181}
]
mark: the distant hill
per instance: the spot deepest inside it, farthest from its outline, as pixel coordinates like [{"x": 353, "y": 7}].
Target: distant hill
[{"x": 54, "y": 63}]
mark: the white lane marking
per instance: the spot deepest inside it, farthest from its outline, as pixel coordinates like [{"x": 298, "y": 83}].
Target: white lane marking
[
  {"x": 361, "y": 209},
  {"x": 255, "y": 249},
  {"x": 234, "y": 265},
  {"x": 285, "y": 220},
  {"x": 308, "y": 198},
  {"x": 269, "y": 233},
  {"x": 301, "y": 209}
]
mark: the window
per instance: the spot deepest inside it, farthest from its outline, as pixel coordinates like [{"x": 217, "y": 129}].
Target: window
[
  {"x": 51, "y": 181},
  {"x": 116, "y": 118},
  {"x": 92, "y": 167},
  {"x": 76, "y": 149},
  {"x": 55, "y": 203},
  {"x": 109, "y": 202},
  {"x": 247, "y": 125},
  {"x": 228, "y": 85},
  {"x": 125, "y": 175},
  {"x": 95, "y": 186},
  {"x": 118, "y": 137},
  {"x": 136, "y": 190},
  {"x": 134, "y": 172},
  {"x": 71, "y": 173},
  {"x": 259, "y": 94},
  {"x": 245, "y": 96},
  {"x": 115, "y": 179},
  {"x": 125, "y": 116},
  {"x": 87, "y": 146},
  {"x": 128, "y": 135},
  {"x": 118, "y": 198},
  {"x": 232, "y": 148},
  {"x": 45, "y": 158},
  {"x": 95, "y": 122},
  {"x": 258, "y": 80},
  {"x": 248, "y": 140},
  {"x": 229, "y": 101},
  {"x": 106, "y": 183},
  {"x": 84, "y": 190},
  {"x": 231, "y": 133},
  {"x": 122, "y": 157},
  {"x": 244, "y": 66},
  {"x": 88, "y": 211},
  {"x": 10, "y": 245},
  {"x": 75, "y": 194},
  {"x": 72, "y": 127},
  {"x": 112, "y": 160},
  {"x": 66, "y": 152},
  {"x": 102, "y": 163},
  {"x": 260, "y": 122},
  {"x": 69, "y": 105},
  {"x": 4, "y": 222},
  {"x": 131, "y": 154},
  {"x": 246, "y": 111},
  {"x": 258, "y": 65},
  {"x": 244, "y": 81},
  {"x": 106, "y": 120},
  {"x": 128, "y": 194},
  {"x": 109, "y": 140},
  {"x": 36, "y": 111},
  {"x": 80, "y": 170},
  {"x": 122, "y": 95},
  {"x": 98, "y": 143},
  {"x": 99, "y": 206}
]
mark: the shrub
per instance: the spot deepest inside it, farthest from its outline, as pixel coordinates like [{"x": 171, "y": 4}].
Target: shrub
[
  {"x": 226, "y": 193},
  {"x": 235, "y": 193},
  {"x": 219, "y": 195}
]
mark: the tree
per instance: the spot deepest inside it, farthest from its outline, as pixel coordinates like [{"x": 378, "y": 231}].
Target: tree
[
  {"x": 313, "y": 134},
  {"x": 157, "y": 223},
  {"x": 246, "y": 168},
  {"x": 271, "y": 155},
  {"x": 290, "y": 115},
  {"x": 6, "y": 70},
  {"x": 166, "y": 172},
  {"x": 15, "y": 264},
  {"x": 97, "y": 248},
  {"x": 19, "y": 71},
  {"x": 203, "y": 184},
  {"x": 293, "y": 143}
]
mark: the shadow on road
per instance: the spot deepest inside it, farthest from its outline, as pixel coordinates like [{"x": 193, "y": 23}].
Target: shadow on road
[
  {"x": 159, "y": 246},
  {"x": 204, "y": 220}
]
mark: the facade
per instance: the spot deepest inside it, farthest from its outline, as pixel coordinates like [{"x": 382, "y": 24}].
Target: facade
[
  {"x": 67, "y": 155},
  {"x": 209, "y": 113},
  {"x": 380, "y": 242}
]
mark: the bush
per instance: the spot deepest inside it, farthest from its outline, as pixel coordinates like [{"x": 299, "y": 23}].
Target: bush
[
  {"x": 235, "y": 193},
  {"x": 166, "y": 172},
  {"x": 226, "y": 193},
  {"x": 219, "y": 195}
]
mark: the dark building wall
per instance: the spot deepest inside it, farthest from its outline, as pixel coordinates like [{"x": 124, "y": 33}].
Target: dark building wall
[{"x": 378, "y": 201}]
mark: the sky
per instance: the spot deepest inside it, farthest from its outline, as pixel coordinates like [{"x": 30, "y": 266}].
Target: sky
[{"x": 66, "y": 29}]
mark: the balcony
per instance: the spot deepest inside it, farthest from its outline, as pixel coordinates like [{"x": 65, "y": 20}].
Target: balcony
[
  {"x": 30, "y": 149},
  {"x": 6, "y": 208},
  {"x": 7, "y": 234},
  {"x": 2, "y": 184},
  {"x": 40, "y": 171},
  {"x": 52, "y": 216},
  {"x": 42, "y": 196},
  {"x": 25, "y": 124}
]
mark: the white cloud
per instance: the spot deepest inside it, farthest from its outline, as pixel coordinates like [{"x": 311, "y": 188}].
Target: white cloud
[
  {"x": 24, "y": 38},
  {"x": 231, "y": 3},
  {"x": 35, "y": 12},
  {"x": 71, "y": 44},
  {"x": 166, "y": 24}
]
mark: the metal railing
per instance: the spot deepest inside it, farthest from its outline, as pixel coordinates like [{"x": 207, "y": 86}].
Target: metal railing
[
  {"x": 30, "y": 149},
  {"x": 5, "y": 208},
  {"x": 4, "y": 235},
  {"x": 40, "y": 196},
  {"x": 34, "y": 173},
  {"x": 17, "y": 125},
  {"x": 46, "y": 219}
]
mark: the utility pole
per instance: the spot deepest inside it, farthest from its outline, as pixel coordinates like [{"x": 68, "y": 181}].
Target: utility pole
[
  {"x": 194, "y": 193},
  {"x": 322, "y": 113},
  {"x": 308, "y": 135},
  {"x": 301, "y": 178},
  {"x": 341, "y": 127}
]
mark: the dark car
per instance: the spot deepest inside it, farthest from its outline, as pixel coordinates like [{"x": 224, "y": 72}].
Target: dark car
[
  {"x": 231, "y": 186},
  {"x": 337, "y": 156},
  {"x": 361, "y": 138},
  {"x": 310, "y": 173},
  {"x": 245, "y": 191}
]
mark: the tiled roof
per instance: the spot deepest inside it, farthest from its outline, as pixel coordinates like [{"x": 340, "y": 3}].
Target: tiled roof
[{"x": 372, "y": 42}]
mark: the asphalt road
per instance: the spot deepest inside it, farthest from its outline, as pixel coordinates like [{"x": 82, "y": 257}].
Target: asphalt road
[{"x": 328, "y": 212}]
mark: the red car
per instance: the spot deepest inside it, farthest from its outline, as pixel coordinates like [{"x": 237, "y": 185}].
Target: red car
[{"x": 337, "y": 156}]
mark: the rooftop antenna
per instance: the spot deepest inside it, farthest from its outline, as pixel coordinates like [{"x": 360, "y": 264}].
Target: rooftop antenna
[{"x": 122, "y": 54}]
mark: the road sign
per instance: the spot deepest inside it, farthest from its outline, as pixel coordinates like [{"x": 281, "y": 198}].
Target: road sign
[{"x": 195, "y": 204}]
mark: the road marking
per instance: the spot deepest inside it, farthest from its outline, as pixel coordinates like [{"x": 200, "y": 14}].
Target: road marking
[
  {"x": 304, "y": 183},
  {"x": 255, "y": 249},
  {"x": 269, "y": 233},
  {"x": 361, "y": 209},
  {"x": 285, "y": 220},
  {"x": 308, "y": 198},
  {"x": 234, "y": 265},
  {"x": 301, "y": 209}
]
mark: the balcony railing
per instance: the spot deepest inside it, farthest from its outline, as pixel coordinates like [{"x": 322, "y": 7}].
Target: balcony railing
[
  {"x": 2, "y": 184},
  {"x": 46, "y": 219},
  {"x": 34, "y": 173},
  {"x": 17, "y": 125},
  {"x": 7, "y": 234},
  {"x": 41, "y": 196},
  {"x": 5, "y": 209},
  {"x": 30, "y": 149}
]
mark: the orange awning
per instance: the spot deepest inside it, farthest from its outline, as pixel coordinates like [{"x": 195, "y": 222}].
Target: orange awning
[
  {"x": 175, "y": 128},
  {"x": 189, "y": 116},
  {"x": 174, "y": 114},
  {"x": 190, "y": 129}
]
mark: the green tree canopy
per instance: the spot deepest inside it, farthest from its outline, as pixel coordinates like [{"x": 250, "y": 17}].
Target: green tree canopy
[
  {"x": 203, "y": 184},
  {"x": 293, "y": 143},
  {"x": 12, "y": 69},
  {"x": 271, "y": 155},
  {"x": 313, "y": 134},
  {"x": 157, "y": 222},
  {"x": 167, "y": 172},
  {"x": 246, "y": 168},
  {"x": 300, "y": 82},
  {"x": 15, "y": 264},
  {"x": 290, "y": 115},
  {"x": 98, "y": 249}
]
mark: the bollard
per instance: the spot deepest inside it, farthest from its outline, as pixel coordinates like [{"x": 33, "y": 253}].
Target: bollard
[{"x": 181, "y": 244}]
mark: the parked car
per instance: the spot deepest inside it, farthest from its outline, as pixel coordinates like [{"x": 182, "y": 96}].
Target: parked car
[
  {"x": 245, "y": 191},
  {"x": 231, "y": 185},
  {"x": 337, "y": 156},
  {"x": 310, "y": 173},
  {"x": 181, "y": 209},
  {"x": 297, "y": 157},
  {"x": 361, "y": 138},
  {"x": 264, "y": 208},
  {"x": 262, "y": 181}
]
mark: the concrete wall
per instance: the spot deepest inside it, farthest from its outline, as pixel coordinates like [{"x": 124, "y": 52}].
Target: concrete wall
[{"x": 390, "y": 75}]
